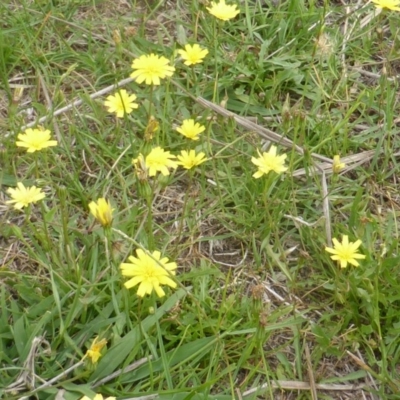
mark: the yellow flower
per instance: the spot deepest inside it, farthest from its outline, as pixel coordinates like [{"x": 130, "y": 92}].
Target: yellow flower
[
  {"x": 150, "y": 69},
  {"x": 98, "y": 397},
  {"x": 222, "y": 11},
  {"x": 122, "y": 103},
  {"x": 190, "y": 129},
  {"x": 94, "y": 352},
  {"x": 389, "y": 4},
  {"x": 345, "y": 252},
  {"x": 193, "y": 54},
  {"x": 190, "y": 159},
  {"x": 269, "y": 162},
  {"x": 337, "y": 166},
  {"x": 23, "y": 196},
  {"x": 35, "y": 139},
  {"x": 102, "y": 211},
  {"x": 147, "y": 272},
  {"x": 160, "y": 160}
]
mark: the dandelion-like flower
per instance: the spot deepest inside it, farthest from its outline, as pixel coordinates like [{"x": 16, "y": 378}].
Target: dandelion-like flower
[
  {"x": 23, "y": 196},
  {"x": 35, "y": 140},
  {"x": 98, "y": 397},
  {"x": 222, "y": 11},
  {"x": 193, "y": 54},
  {"x": 269, "y": 161},
  {"x": 345, "y": 252},
  {"x": 121, "y": 103},
  {"x": 102, "y": 211},
  {"x": 189, "y": 159},
  {"x": 389, "y": 4},
  {"x": 150, "y": 69},
  {"x": 159, "y": 160},
  {"x": 190, "y": 129},
  {"x": 94, "y": 352},
  {"x": 337, "y": 165},
  {"x": 148, "y": 273}
]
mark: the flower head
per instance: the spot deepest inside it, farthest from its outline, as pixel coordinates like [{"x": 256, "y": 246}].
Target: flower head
[
  {"x": 159, "y": 160},
  {"x": 23, "y": 196},
  {"x": 35, "y": 139},
  {"x": 148, "y": 272},
  {"x": 193, "y": 54},
  {"x": 152, "y": 127},
  {"x": 345, "y": 252},
  {"x": 190, "y": 129},
  {"x": 140, "y": 168},
  {"x": 102, "y": 211},
  {"x": 337, "y": 166},
  {"x": 94, "y": 352},
  {"x": 189, "y": 159},
  {"x": 325, "y": 45},
  {"x": 222, "y": 11},
  {"x": 389, "y": 4},
  {"x": 121, "y": 103},
  {"x": 269, "y": 161},
  {"x": 98, "y": 397},
  {"x": 150, "y": 69}
]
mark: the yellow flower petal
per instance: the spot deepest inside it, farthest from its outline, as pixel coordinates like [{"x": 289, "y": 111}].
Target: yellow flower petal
[
  {"x": 23, "y": 196},
  {"x": 223, "y": 11},
  {"x": 121, "y": 103},
  {"x": 94, "y": 352},
  {"x": 193, "y": 54},
  {"x": 159, "y": 160},
  {"x": 150, "y": 69},
  {"x": 35, "y": 140},
  {"x": 147, "y": 272},
  {"x": 190, "y": 129},
  {"x": 189, "y": 159},
  {"x": 102, "y": 211},
  {"x": 345, "y": 252},
  {"x": 337, "y": 165},
  {"x": 269, "y": 161},
  {"x": 389, "y": 4}
]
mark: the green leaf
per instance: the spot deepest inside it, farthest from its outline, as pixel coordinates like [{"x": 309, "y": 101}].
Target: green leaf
[
  {"x": 116, "y": 355},
  {"x": 185, "y": 353}
]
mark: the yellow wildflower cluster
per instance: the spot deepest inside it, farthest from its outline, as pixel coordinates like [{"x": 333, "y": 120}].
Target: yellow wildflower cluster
[
  {"x": 159, "y": 160},
  {"x": 149, "y": 271}
]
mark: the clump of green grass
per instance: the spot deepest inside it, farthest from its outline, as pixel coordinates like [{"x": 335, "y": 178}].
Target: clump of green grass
[{"x": 217, "y": 191}]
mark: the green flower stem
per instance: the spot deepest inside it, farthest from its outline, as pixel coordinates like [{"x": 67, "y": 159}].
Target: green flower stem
[
  {"x": 62, "y": 195},
  {"x": 35, "y": 156},
  {"x": 164, "y": 358},
  {"x": 216, "y": 31},
  {"x": 45, "y": 228},
  {"x": 68, "y": 247},
  {"x": 193, "y": 78},
  {"x": 185, "y": 201},
  {"x": 269, "y": 185},
  {"x": 150, "y": 102},
  {"x": 110, "y": 262},
  {"x": 27, "y": 212},
  {"x": 149, "y": 200},
  {"x": 108, "y": 247},
  {"x": 119, "y": 131}
]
